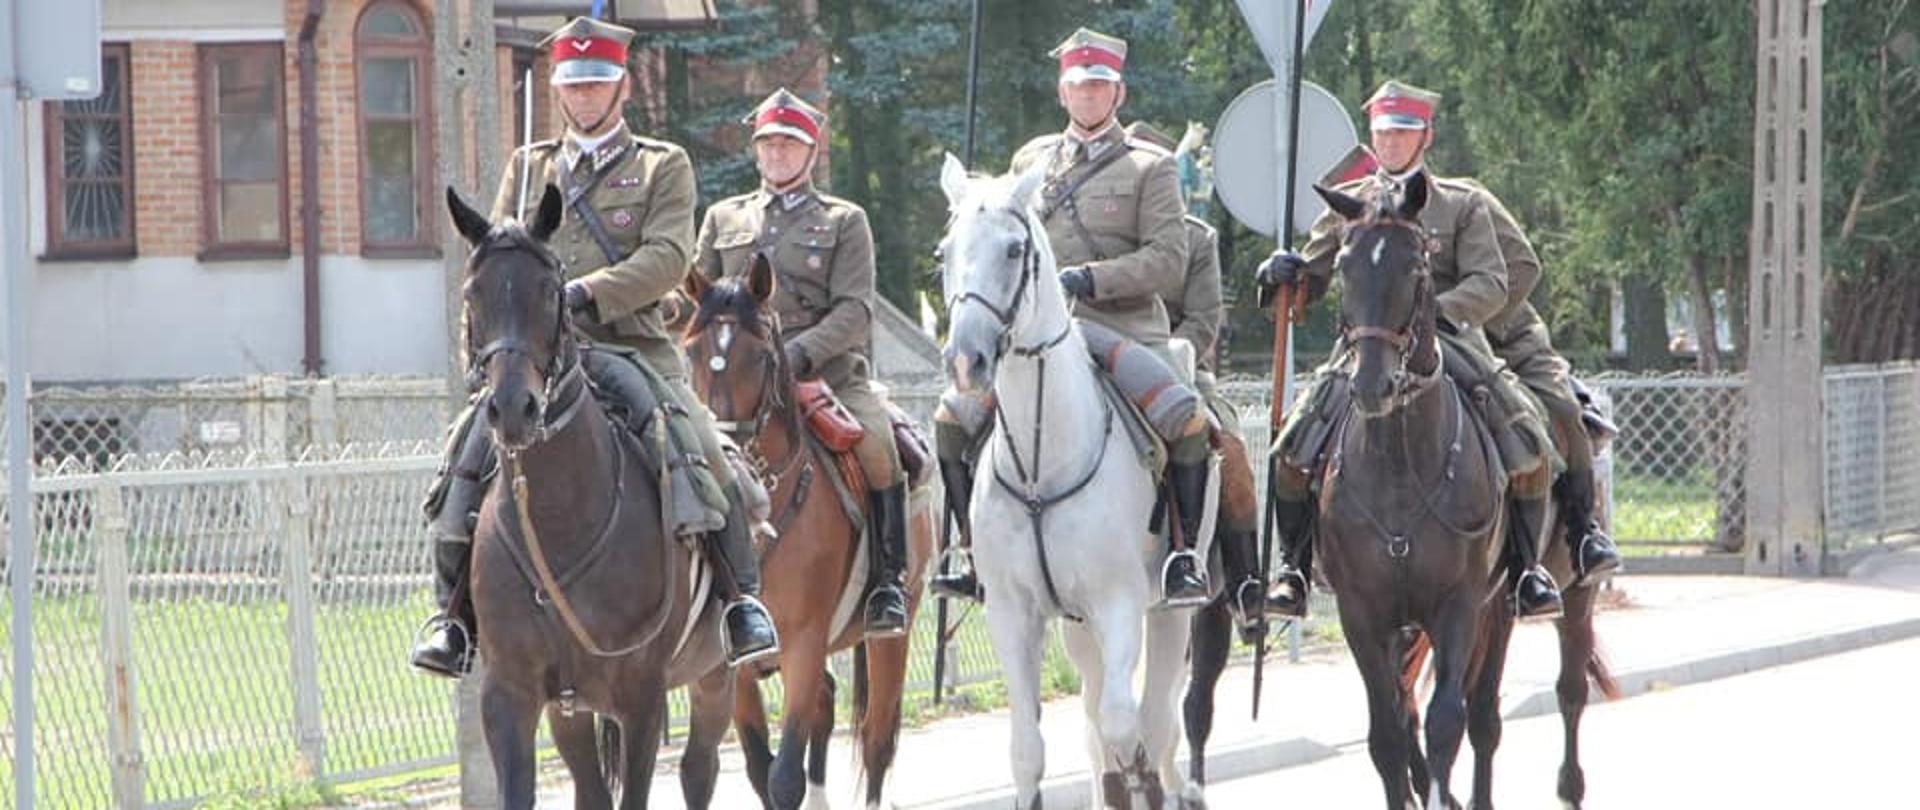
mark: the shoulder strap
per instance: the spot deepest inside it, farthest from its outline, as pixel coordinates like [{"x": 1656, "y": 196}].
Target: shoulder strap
[
  {"x": 1062, "y": 196},
  {"x": 576, "y": 197}
]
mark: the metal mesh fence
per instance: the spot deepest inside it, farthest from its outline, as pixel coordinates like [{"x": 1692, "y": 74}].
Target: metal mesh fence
[
  {"x": 1872, "y": 453},
  {"x": 216, "y": 614}
]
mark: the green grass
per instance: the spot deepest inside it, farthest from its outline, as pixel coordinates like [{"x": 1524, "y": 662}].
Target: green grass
[
  {"x": 1664, "y": 510},
  {"x": 215, "y": 700}
]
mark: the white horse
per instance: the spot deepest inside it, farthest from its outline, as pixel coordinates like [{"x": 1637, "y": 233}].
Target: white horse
[{"x": 1060, "y": 517}]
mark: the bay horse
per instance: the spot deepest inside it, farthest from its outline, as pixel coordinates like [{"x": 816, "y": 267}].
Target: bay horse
[
  {"x": 584, "y": 598},
  {"x": 1062, "y": 530},
  {"x": 1411, "y": 504},
  {"x": 814, "y": 568}
]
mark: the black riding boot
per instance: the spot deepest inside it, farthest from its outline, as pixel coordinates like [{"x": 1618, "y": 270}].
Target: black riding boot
[
  {"x": 887, "y": 540},
  {"x": 1246, "y": 590},
  {"x": 1593, "y": 551},
  {"x": 1534, "y": 593},
  {"x": 1183, "y": 579},
  {"x": 1293, "y": 581},
  {"x": 453, "y": 501},
  {"x": 448, "y": 645},
  {"x": 957, "y": 579},
  {"x": 749, "y": 629}
]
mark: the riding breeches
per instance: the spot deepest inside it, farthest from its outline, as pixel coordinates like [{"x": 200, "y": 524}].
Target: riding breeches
[
  {"x": 1546, "y": 376},
  {"x": 879, "y": 456},
  {"x": 1144, "y": 373}
]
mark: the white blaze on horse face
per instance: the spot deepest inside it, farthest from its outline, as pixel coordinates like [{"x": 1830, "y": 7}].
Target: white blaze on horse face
[{"x": 1379, "y": 251}]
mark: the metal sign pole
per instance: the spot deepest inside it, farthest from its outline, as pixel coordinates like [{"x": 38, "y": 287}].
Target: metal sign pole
[{"x": 20, "y": 541}]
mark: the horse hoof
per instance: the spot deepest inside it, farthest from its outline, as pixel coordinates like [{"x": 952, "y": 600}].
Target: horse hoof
[
  {"x": 1193, "y": 798},
  {"x": 817, "y": 798}
]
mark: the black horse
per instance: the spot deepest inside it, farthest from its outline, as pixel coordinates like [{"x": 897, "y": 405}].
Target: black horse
[
  {"x": 584, "y": 598},
  {"x": 1411, "y": 506}
]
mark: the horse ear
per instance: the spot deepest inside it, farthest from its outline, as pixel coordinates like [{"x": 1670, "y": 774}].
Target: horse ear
[
  {"x": 547, "y": 219},
  {"x": 1414, "y": 196},
  {"x": 1342, "y": 203},
  {"x": 953, "y": 180},
  {"x": 467, "y": 221},
  {"x": 760, "y": 281},
  {"x": 1026, "y": 190}
]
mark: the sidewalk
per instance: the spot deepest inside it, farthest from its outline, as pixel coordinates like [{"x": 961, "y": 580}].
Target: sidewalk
[{"x": 1665, "y": 631}]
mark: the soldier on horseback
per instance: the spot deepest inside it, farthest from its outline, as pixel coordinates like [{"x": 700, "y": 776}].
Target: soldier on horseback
[
  {"x": 821, "y": 251},
  {"x": 625, "y": 241},
  {"x": 1112, "y": 210},
  {"x": 1195, "y": 310},
  {"x": 1474, "y": 272}
]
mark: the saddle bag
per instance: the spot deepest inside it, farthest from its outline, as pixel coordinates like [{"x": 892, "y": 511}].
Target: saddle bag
[
  {"x": 1303, "y": 440},
  {"x": 829, "y": 420},
  {"x": 1517, "y": 425},
  {"x": 915, "y": 455}
]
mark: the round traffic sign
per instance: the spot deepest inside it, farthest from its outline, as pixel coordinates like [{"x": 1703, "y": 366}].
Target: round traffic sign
[{"x": 1247, "y": 144}]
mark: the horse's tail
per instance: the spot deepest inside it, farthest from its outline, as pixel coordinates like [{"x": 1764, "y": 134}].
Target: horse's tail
[
  {"x": 1601, "y": 673},
  {"x": 1411, "y": 662},
  {"x": 860, "y": 689}
]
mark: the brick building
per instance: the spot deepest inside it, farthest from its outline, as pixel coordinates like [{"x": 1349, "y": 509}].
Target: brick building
[{"x": 166, "y": 218}]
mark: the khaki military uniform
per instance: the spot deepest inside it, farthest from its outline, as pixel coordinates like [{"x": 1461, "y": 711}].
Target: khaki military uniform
[
  {"x": 821, "y": 249},
  {"x": 1135, "y": 237},
  {"x": 645, "y": 203},
  {"x": 1471, "y": 287},
  {"x": 1518, "y": 336},
  {"x": 1195, "y": 307}
]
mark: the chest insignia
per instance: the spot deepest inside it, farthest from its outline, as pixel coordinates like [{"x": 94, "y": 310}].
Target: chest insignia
[
  {"x": 623, "y": 182},
  {"x": 622, "y": 219},
  {"x": 813, "y": 262}
]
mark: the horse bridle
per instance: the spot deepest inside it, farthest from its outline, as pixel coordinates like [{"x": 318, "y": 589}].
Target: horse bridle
[
  {"x": 563, "y": 374},
  {"x": 1405, "y": 383},
  {"x": 1029, "y": 276}
]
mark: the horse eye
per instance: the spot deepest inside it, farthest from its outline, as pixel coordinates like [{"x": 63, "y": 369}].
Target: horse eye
[{"x": 1016, "y": 250}]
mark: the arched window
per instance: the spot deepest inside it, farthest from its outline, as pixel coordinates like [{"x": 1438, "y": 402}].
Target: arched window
[{"x": 393, "y": 59}]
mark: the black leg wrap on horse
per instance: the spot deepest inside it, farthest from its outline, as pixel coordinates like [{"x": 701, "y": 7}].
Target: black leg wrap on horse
[
  {"x": 1294, "y": 581},
  {"x": 1534, "y": 592},
  {"x": 1594, "y": 553},
  {"x": 887, "y": 535},
  {"x": 1183, "y": 579},
  {"x": 449, "y": 642},
  {"x": 748, "y": 628}
]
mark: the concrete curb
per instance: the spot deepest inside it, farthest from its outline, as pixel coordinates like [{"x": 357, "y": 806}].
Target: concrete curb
[
  {"x": 1727, "y": 665},
  {"x": 1249, "y": 759}
]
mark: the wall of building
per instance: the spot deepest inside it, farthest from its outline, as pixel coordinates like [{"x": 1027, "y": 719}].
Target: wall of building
[{"x": 166, "y": 313}]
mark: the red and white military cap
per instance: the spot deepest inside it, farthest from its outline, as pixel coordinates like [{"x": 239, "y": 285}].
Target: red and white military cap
[
  {"x": 784, "y": 113},
  {"x": 588, "y": 50},
  {"x": 1090, "y": 55},
  {"x": 1397, "y": 105}
]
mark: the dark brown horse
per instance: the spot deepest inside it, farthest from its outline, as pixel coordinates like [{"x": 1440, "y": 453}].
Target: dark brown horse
[
  {"x": 1411, "y": 505},
  {"x": 1581, "y": 667},
  {"x": 1213, "y": 624},
  {"x": 585, "y": 601},
  {"x": 812, "y": 583}
]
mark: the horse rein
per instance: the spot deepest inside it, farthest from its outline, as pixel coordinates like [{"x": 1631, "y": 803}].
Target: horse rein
[
  {"x": 1026, "y": 490},
  {"x": 1029, "y": 277}
]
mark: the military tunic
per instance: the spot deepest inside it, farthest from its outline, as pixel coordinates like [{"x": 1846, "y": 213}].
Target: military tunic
[
  {"x": 1194, "y": 307},
  {"x": 821, "y": 250},
  {"x": 645, "y": 202},
  {"x": 1134, "y": 218},
  {"x": 1517, "y": 334}
]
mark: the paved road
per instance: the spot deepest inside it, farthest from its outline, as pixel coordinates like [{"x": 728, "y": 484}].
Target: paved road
[{"x": 1829, "y": 732}]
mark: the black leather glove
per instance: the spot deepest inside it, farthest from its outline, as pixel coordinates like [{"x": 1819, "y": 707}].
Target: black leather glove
[
  {"x": 1280, "y": 269},
  {"x": 1078, "y": 282},
  {"x": 797, "y": 363},
  {"x": 578, "y": 297},
  {"x": 1446, "y": 325}
]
